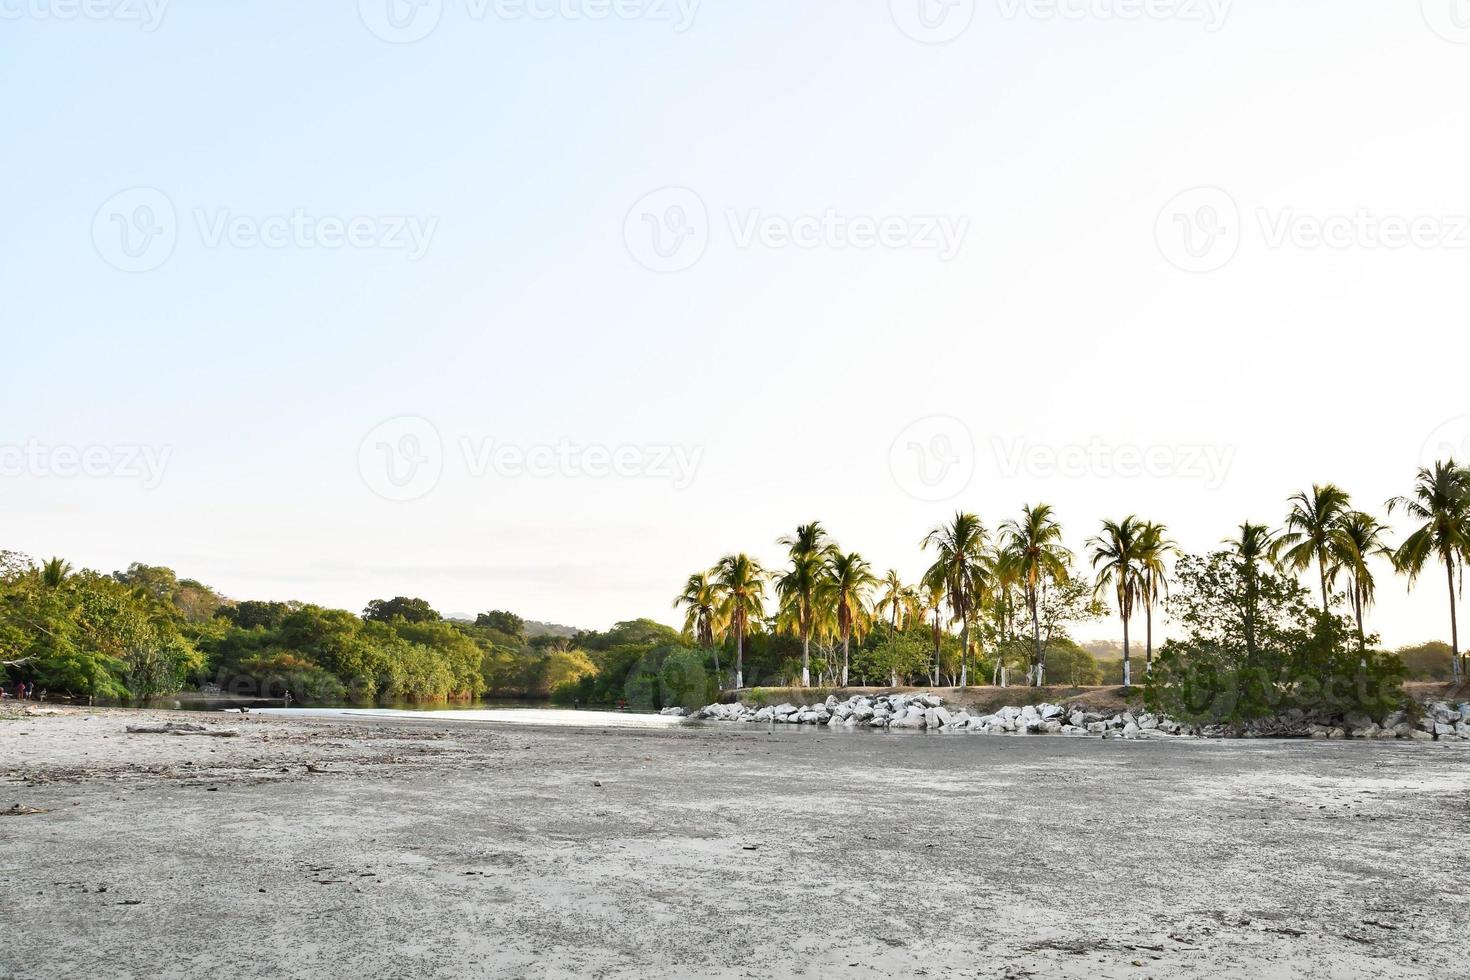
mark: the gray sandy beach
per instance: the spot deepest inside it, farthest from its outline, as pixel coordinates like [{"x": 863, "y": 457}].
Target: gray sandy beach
[{"x": 432, "y": 848}]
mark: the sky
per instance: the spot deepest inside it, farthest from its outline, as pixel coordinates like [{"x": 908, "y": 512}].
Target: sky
[{"x": 545, "y": 304}]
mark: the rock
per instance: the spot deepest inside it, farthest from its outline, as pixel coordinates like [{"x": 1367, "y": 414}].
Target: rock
[
  {"x": 1385, "y": 733},
  {"x": 1096, "y": 727},
  {"x": 929, "y": 700},
  {"x": 1077, "y": 719},
  {"x": 1403, "y": 730},
  {"x": 944, "y": 716},
  {"x": 863, "y": 712},
  {"x": 1441, "y": 729},
  {"x": 1367, "y": 731},
  {"x": 1050, "y": 712},
  {"x": 765, "y": 714},
  {"x": 1130, "y": 729},
  {"x": 1051, "y": 727},
  {"x": 1421, "y": 736}
]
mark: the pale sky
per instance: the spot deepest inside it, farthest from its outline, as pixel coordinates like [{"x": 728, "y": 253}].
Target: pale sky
[{"x": 1176, "y": 258}]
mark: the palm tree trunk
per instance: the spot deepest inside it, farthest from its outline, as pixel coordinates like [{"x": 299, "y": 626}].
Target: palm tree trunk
[
  {"x": 1148, "y": 628},
  {"x": 739, "y": 658},
  {"x": 1040, "y": 679},
  {"x": 964, "y": 649},
  {"x": 846, "y": 641},
  {"x": 719, "y": 678},
  {"x": 938, "y": 645},
  {"x": 1322, "y": 571},
  {"x": 806, "y": 658},
  {"x": 1127, "y": 655},
  {"x": 1449, "y": 567}
]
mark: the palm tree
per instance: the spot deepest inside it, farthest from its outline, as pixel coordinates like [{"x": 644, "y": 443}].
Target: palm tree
[
  {"x": 900, "y": 603},
  {"x": 809, "y": 548},
  {"x": 54, "y": 572},
  {"x": 1358, "y": 538},
  {"x": 740, "y": 587},
  {"x": 1117, "y": 558},
  {"x": 1251, "y": 547},
  {"x": 962, "y": 569},
  {"x": 1308, "y": 532},
  {"x": 849, "y": 581},
  {"x": 1035, "y": 545},
  {"x": 1155, "y": 548},
  {"x": 1441, "y": 501},
  {"x": 701, "y": 603},
  {"x": 931, "y": 603}
]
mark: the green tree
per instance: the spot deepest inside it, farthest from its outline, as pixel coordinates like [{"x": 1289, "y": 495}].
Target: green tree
[
  {"x": 1117, "y": 559},
  {"x": 845, "y": 591},
  {"x": 701, "y": 604},
  {"x": 1307, "y": 537},
  {"x": 1356, "y": 540},
  {"x": 963, "y": 568},
  {"x": 1035, "y": 546},
  {"x": 1251, "y": 547},
  {"x": 1441, "y": 504},
  {"x": 409, "y": 610},
  {"x": 740, "y": 585},
  {"x": 1155, "y": 549},
  {"x": 809, "y": 551}
]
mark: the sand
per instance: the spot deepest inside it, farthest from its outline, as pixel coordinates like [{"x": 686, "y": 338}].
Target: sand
[{"x": 351, "y": 848}]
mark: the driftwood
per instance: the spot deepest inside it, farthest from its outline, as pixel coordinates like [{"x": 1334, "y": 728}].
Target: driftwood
[
  {"x": 16, "y": 663},
  {"x": 180, "y": 728},
  {"x": 21, "y": 811}
]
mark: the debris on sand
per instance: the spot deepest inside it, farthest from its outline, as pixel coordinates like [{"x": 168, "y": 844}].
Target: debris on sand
[
  {"x": 21, "y": 811},
  {"x": 181, "y": 728}
]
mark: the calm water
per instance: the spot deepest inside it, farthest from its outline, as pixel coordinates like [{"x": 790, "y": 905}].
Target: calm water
[{"x": 528, "y": 715}]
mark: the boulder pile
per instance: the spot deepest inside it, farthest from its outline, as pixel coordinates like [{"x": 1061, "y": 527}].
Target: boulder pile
[{"x": 926, "y": 712}]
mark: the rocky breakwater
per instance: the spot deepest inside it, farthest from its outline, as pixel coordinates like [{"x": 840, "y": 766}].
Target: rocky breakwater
[{"x": 926, "y": 712}]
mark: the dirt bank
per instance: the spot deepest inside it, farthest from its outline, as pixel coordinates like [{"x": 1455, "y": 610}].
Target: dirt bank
[{"x": 434, "y": 849}]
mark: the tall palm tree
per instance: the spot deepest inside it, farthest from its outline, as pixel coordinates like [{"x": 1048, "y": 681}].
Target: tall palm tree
[
  {"x": 1117, "y": 560},
  {"x": 899, "y": 603},
  {"x": 740, "y": 585},
  {"x": 1155, "y": 549},
  {"x": 849, "y": 582},
  {"x": 1441, "y": 501},
  {"x": 1309, "y": 527},
  {"x": 1356, "y": 540},
  {"x": 931, "y": 604},
  {"x": 796, "y": 590},
  {"x": 701, "y": 603},
  {"x": 1035, "y": 545},
  {"x": 1251, "y": 546},
  {"x": 961, "y": 567}
]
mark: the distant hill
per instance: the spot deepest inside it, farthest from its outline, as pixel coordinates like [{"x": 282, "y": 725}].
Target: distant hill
[{"x": 534, "y": 628}]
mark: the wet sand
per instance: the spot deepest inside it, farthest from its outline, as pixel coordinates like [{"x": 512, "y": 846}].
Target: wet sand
[{"x": 412, "y": 847}]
